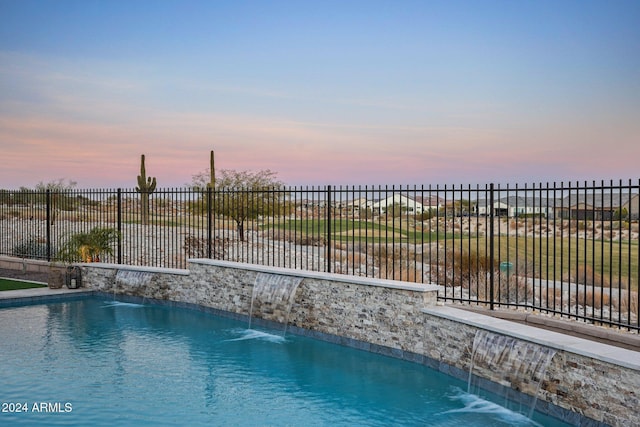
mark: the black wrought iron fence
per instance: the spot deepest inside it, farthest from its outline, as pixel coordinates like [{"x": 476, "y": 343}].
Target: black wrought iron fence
[{"x": 567, "y": 249}]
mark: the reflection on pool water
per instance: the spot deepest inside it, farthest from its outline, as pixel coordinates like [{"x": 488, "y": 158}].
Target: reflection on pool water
[{"x": 111, "y": 363}]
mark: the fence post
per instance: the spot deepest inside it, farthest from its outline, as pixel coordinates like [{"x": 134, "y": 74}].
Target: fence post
[
  {"x": 328, "y": 213},
  {"x": 491, "y": 247},
  {"x": 209, "y": 218},
  {"x": 48, "y": 200},
  {"x": 119, "y": 220}
]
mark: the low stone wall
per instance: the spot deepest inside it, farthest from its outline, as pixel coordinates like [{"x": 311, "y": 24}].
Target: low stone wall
[
  {"x": 583, "y": 387},
  {"x": 585, "y": 378},
  {"x": 23, "y": 264}
]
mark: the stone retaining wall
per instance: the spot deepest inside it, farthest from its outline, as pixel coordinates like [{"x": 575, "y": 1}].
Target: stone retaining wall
[
  {"x": 394, "y": 318},
  {"x": 23, "y": 264},
  {"x": 585, "y": 386}
]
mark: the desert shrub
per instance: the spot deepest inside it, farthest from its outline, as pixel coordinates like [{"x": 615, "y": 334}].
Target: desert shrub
[
  {"x": 510, "y": 289},
  {"x": 424, "y": 216},
  {"x": 586, "y": 275},
  {"x": 406, "y": 275},
  {"x": 196, "y": 247},
  {"x": 340, "y": 246},
  {"x": 31, "y": 248},
  {"x": 404, "y": 271},
  {"x": 339, "y": 256},
  {"x": 532, "y": 215},
  {"x": 471, "y": 271},
  {"x": 14, "y": 213},
  {"x": 550, "y": 297},
  {"x": 626, "y": 303},
  {"x": 197, "y": 207},
  {"x": 629, "y": 303},
  {"x": 365, "y": 213},
  {"x": 464, "y": 269},
  {"x": 293, "y": 237},
  {"x": 393, "y": 260},
  {"x": 356, "y": 258},
  {"x": 597, "y": 299},
  {"x": 388, "y": 253}
]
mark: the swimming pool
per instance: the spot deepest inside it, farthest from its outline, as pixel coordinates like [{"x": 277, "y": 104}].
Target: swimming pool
[{"x": 109, "y": 363}]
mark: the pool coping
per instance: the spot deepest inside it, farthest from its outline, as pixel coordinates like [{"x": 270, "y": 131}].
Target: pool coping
[
  {"x": 40, "y": 295},
  {"x": 599, "y": 351},
  {"x": 334, "y": 277}
]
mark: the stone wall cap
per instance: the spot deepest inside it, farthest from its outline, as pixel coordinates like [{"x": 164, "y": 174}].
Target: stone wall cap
[
  {"x": 13, "y": 259},
  {"x": 604, "y": 352},
  {"x": 395, "y": 284},
  {"x": 177, "y": 271}
]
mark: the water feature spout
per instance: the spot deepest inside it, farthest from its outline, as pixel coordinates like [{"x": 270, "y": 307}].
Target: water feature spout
[
  {"x": 134, "y": 281},
  {"x": 515, "y": 364},
  {"x": 274, "y": 289}
]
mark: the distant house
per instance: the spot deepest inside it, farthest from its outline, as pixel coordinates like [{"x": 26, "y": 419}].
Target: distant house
[
  {"x": 513, "y": 206},
  {"x": 361, "y": 203},
  {"x": 600, "y": 206},
  {"x": 310, "y": 204},
  {"x": 411, "y": 205}
]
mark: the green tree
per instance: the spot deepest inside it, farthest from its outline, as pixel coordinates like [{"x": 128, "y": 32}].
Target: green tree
[
  {"x": 6, "y": 197},
  {"x": 620, "y": 214},
  {"x": 461, "y": 207},
  {"x": 427, "y": 214},
  {"x": 395, "y": 210},
  {"x": 59, "y": 192},
  {"x": 243, "y": 195},
  {"x": 365, "y": 213}
]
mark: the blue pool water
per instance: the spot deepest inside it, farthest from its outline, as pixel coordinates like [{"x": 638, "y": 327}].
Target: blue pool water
[{"x": 107, "y": 363}]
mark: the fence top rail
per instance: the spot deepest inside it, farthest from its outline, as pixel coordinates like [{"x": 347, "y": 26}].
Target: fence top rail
[{"x": 569, "y": 186}]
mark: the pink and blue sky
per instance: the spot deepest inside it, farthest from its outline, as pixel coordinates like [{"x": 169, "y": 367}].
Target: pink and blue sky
[{"x": 322, "y": 92}]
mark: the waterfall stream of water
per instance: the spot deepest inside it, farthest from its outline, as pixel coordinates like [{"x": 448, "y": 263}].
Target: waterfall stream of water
[
  {"x": 274, "y": 289},
  {"x": 519, "y": 365}
]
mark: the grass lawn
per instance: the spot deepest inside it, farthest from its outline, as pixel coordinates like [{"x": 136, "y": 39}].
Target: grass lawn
[
  {"x": 556, "y": 258},
  {"x": 10, "y": 284},
  {"x": 346, "y": 230}
]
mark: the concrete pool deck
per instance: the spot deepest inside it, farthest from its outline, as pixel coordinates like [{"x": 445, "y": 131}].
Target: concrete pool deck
[{"x": 37, "y": 295}]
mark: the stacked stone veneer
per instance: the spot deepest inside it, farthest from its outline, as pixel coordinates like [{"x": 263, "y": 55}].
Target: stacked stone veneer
[
  {"x": 605, "y": 393},
  {"x": 388, "y": 317}
]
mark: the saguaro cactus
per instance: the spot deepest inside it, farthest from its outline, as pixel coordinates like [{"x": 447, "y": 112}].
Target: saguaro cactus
[
  {"x": 212, "y": 173},
  {"x": 146, "y": 186}
]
